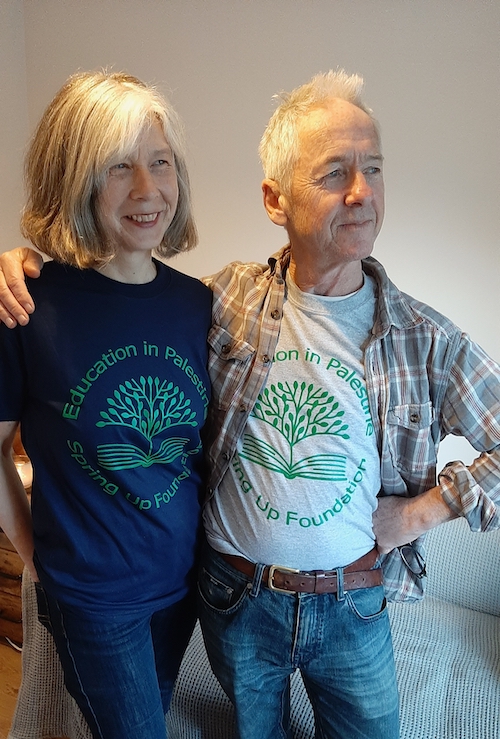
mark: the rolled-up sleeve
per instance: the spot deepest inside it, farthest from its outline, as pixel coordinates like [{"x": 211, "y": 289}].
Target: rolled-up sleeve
[{"x": 472, "y": 409}]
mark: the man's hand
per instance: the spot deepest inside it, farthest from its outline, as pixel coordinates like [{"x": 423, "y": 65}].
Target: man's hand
[
  {"x": 15, "y": 301},
  {"x": 399, "y": 521}
]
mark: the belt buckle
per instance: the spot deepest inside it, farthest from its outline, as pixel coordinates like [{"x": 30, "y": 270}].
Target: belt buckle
[{"x": 270, "y": 579}]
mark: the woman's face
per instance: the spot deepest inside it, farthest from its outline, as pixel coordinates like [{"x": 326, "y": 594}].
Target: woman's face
[{"x": 140, "y": 194}]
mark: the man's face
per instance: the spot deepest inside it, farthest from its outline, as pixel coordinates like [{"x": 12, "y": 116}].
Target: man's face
[{"x": 336, "y": 203}]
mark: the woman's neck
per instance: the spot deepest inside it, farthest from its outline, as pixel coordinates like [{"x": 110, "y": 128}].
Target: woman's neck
[{"x": 134, "y": 269}]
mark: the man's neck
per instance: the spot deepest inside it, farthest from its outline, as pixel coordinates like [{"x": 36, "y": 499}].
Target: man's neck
[{"x": 332, "y": 280}]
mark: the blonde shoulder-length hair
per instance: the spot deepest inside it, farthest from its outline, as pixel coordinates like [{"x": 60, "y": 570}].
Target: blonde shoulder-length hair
[{"x": 94, "y": 120}]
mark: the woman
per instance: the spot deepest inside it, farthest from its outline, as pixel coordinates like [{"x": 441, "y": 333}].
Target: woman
[{"x": 110, "y": 385}]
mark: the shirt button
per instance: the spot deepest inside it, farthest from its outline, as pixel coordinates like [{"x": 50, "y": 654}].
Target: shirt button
[
  {"x": 275, "y": 314},
  {"x": 225, "y": 456},
  {"x": 242, "y": 408},
  {"x": 226, "y": 348},
  {"x": 415, "y": 417},
  {"x": 265, "y": 359}
]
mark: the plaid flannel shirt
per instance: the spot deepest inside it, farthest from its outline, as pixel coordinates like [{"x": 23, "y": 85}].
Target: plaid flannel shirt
[{"x": 425, "y": 379}]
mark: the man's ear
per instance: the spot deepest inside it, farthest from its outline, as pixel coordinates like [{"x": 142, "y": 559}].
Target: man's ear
[{"x": 274, "y": 202}]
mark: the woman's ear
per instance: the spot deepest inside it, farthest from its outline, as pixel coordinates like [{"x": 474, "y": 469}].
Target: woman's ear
[{"x": 274, "y": 202}]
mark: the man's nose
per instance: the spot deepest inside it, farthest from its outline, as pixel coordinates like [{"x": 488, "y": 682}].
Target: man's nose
[
  {"x": 358, "y": 190},
  {"x": 143, "y": 184}
]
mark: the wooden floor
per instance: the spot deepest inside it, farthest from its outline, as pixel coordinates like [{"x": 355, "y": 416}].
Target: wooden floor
[{"x": 10, "y": 677}]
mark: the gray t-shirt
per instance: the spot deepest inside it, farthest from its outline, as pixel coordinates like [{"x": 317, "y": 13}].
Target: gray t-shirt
[{"x": 302, "y": 487}]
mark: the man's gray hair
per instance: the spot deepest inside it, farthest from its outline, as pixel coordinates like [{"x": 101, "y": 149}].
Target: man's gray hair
[{"x": 279, "y": 146}]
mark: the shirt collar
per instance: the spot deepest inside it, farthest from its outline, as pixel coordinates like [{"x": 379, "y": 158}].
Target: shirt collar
[{"x": 393, "y": 308}]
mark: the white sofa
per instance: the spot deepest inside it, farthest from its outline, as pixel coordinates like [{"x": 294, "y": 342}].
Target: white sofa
[{"x": 447, "y": 652}]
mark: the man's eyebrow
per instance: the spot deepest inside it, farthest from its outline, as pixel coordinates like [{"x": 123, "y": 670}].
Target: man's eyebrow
[{"x": 342, "y": 158}]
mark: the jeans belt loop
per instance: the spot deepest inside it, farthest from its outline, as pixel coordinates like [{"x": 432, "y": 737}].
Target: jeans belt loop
[
  {"x": 340, "y": 584},
  {"x": 257, "y": 579}
]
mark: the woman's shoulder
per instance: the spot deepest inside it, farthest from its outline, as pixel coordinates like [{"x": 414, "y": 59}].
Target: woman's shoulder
[
  {"x": 192, "y": 285},
  {"x": 55, "y": 273}
]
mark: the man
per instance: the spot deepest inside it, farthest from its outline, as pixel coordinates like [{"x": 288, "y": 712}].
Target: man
[{"x": 331, "y": 393}]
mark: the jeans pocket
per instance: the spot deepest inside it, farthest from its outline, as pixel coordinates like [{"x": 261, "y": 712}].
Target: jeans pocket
[
  {"x": 219, "y": 595},
  {"x": 367, "y": 604},
  {"x": 42, "y": 607}
]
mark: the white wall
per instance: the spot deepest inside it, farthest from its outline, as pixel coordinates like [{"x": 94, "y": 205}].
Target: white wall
[{"x": 432, "y": 72}]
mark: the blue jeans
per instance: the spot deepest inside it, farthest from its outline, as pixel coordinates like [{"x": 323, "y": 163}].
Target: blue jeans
[
  {"x": 120, "y": 670},
  {"x": 256, "y": 638}
]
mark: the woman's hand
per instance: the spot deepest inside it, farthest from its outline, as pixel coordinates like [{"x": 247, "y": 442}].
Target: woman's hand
[{"x": 15, "y": 301}]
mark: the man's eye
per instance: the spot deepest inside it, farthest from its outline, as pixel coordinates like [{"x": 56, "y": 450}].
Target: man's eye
[
  {"x": 373, "y": 170},
  {"x": 335, "y": 173}
]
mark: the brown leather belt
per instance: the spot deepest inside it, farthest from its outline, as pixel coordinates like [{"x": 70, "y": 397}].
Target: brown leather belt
[{"x": 359, "y": 574}]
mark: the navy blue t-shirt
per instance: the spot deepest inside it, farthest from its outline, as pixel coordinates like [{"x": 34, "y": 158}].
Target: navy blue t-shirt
[{"x": 110, "y": 383}]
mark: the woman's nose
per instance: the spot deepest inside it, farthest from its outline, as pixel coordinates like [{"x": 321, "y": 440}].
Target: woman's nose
[{"x": 143, "y": 184}]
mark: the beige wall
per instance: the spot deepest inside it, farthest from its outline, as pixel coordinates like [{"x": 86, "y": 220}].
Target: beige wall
[
  {"x": 432, "y": 72},
  {"x": 13, "y": 118}
]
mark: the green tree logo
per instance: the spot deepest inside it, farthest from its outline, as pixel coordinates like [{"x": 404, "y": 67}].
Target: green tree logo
[
  {"x": 150, "y": 406},
  {"x": 297, "y": 412}
]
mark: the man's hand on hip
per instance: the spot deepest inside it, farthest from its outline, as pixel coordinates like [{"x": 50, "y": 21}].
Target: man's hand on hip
[{"x": 398, "y": 521}]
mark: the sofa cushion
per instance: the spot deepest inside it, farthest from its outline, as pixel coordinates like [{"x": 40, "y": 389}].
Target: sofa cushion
[
  {"x": 448, "y": 665},
  {"x": 464, "y": 566}
]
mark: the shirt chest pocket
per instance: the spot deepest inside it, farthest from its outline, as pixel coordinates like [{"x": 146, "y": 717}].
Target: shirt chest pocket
[
  {"x": 229, "y": 362},
  {"x": 409, "y": 435}
]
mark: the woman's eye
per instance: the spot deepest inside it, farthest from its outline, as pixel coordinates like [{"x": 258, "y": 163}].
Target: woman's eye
[{"x": 115, "y": 168}]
